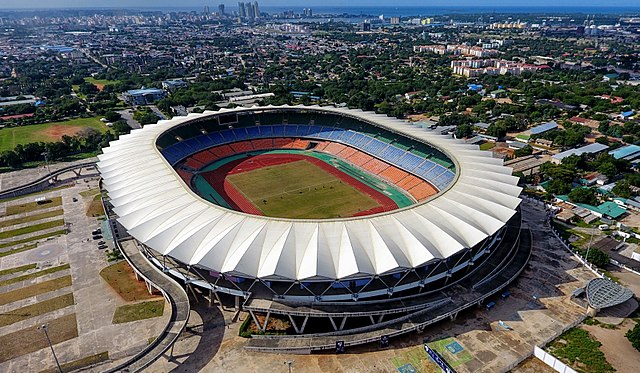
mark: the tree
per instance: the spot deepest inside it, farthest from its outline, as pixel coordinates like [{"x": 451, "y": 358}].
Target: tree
[
  {"x": 598, "y": 257},
  {"x": 583, "y": 195},
  {"x": 464, "y": 130},
  {"x": 622, "y": 189},
  {"x": 527, "y": 150},
  {"x": 608, "y": 169},
  {"x": 633, "y": 335},
  {"x": 112, "y": 116}
]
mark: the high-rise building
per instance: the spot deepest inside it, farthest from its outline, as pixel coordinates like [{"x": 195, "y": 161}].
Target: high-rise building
[
  {"x": 221, "y": 9},
  {"x": 250, "y": 12},
  {"x": 395, "y": 20},
  {"x": 365, "y": 26},
  {"x": 206, "y": 9},
  {"x": 242, "y": 13},
  {"x": 256, "y": 9}
]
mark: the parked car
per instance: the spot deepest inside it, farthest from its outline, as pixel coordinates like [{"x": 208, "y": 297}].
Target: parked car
[
  {"x": 97, "y": 236},
  {"x": 101, "y": 247}
]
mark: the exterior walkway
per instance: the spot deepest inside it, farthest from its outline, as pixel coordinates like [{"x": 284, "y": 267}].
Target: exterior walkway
[{"x": 175, "y": 295}]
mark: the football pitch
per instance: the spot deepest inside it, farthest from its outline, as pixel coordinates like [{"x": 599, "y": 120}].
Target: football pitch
[{"x": 300, "y": 190}]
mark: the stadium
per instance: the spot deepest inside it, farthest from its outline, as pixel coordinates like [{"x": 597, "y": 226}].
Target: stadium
[{"x": 349, "y": 218}]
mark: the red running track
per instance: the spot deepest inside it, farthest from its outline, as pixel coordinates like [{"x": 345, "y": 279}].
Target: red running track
[{"x": 235, "y": 199}]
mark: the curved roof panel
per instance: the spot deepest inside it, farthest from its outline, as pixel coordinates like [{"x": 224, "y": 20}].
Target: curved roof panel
[{"x": 161, "y": 211}]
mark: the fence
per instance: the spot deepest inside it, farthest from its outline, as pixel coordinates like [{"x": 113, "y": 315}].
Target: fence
[{"x": 551, "y": 361}]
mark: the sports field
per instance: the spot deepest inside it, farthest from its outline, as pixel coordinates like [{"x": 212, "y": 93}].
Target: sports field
[
  {"x": 46, "y": 132},
  {"x": 300, "y": 189}
]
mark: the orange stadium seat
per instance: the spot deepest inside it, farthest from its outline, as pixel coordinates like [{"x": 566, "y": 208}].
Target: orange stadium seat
[
  {"x": 300, "y": 144},
  {"x": 193, "y": 163},
  {"x": 262, "y": 144},
  {"x": 283, "y": 142},
  {"x": 347, "y": 152},
  {"x": 322, "y": 145},
  {"x": 409, "y": 182},
  {"x": 359, "y": 158},
  {"x": 205, "y": 157},
  {"x": 334, "y": 148},
  {"x": 422, "y": 191},
  {"x": 375, "y": 166},
  {"x": 185, "y": 175},
  {"x": 242, "y": 146},
  {"x": 222, "y": 151},
  {"x": 393, "y": 174}
]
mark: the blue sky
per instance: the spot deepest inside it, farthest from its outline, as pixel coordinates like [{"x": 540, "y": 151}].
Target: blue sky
[{"x": 5, "y": 4}]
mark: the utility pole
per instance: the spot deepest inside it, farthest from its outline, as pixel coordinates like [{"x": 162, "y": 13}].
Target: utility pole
[
  {"x": 289, "y": 363},
  {"x": 44, "y": 327}
]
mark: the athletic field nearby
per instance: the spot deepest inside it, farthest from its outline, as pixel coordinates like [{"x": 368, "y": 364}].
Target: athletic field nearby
[
  {"x": 46, "y": 132},
  {"x": 300, "y": 189}
]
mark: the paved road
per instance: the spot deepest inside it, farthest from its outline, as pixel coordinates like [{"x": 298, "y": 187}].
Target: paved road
[{"x": 128, "y": 116}]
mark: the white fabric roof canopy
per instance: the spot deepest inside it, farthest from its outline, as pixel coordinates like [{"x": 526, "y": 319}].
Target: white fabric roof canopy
[{"x": 160, "y": 210}]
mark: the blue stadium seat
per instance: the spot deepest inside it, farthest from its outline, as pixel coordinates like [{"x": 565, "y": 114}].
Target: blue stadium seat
[
  {"x": 391, "y": 153},
  {"x": 240, "y": 133},
  {"x": 303, "y": 130},
  {"x": 444, "y": 180},
  {"x": 265, "y": 131},
  {"x": 227, "y": 135},
  {"x": 409, "y": 161},
  {"x": 313, "y": 130},
  {"x": 278, "y": 130},
  {"x": 374, "y": 147},
  {"x": 216, "y": 138},
  {"x": 291, "y": 130},
  {"x": 434, "y": 172},
  {"x": 346, "y": 136},
  {"x": 362, "y": 141},
  {"x": 335, "y": 134},
  {"x": 424, "y": 167},
  {"x": 324, "y": 133},
  {"x": 253, "y": 132}
]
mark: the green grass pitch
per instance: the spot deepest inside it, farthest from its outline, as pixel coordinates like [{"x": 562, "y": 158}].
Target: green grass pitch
[{"x": 300, "y": 190}]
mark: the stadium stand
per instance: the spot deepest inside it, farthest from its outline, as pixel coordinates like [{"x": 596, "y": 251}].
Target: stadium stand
[
  {"x": 222, "y": 151},
  {"x": 193, "y": 163},
  {"x": 409, "y": 182},
  {"x": 347, "y": 152},
  {"x": 422, "y": 191},
  {"x": 375, "y": 166},
  {"x": 241, "y": 146},
  {"x": 393, "y": 174},
  {"x": 300, "y": 144},
  {"x": 334, "y": 148},
  {"x": 262, "y": 144},
  {"x": 205, "y": 157},
  {"x": 185, "y": 175},
  {"x": 359, "y": 158}
]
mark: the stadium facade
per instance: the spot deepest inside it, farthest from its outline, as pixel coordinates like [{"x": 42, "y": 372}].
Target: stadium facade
[{"x": 390, "y": 264}]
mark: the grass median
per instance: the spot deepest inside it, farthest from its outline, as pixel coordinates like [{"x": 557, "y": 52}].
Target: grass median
[
  {"x": 32, "y": 206},
  {"x": 23, "y": 268},
  {"x": 34, "y": 290},
  {"x": 31, "y": 229},
  {"x": 37, "y": 309},
  {"x": 35, "y": 217},
  {"x": 33, "y": 275},
  {"x": 138, "y": 311},
  {"x": 31, "y": 339},
  {"x": 30, "y": 239}
]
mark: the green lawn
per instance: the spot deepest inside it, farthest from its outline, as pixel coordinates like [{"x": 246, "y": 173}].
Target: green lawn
[
  {"x": 138, "y": 311},
  {"x": 34, "y": 290},
  {"x": 80, "y": 363},
  {"x": 25, "y": 341},
  {"x": 46, "y": 132},
  {"x": 13, "y": 270},
  {"x": 578, "y": 349},
  {"x": 37, "y": 309},
  {"x": 18, "y": 250},
  {"x": 26, "y": 219},
  {"x": 121, "y": 278},
  {"x": 100, "y": 82},
  {"x": 29, "y": 239},
  {"x": 487, "y": 145},
  {"x": 300, "y": 190},
  {"x": 31, "y": 228},
  {"x": 33, "y": 275},
  {"x": 32, "y": 206}
]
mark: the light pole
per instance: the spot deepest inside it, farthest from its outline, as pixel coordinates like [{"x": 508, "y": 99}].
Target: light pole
[
  {"x": 44, "y": 327},
  {"x": 289, "y": 363},
  {"x": 46, "y": 161},
  {"x": 586, "y": 258}
]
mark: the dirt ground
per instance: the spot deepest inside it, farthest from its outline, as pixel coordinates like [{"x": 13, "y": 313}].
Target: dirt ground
[
  {"x": 56, "y": 132},
  {"x": 533, "y": 365},
  {"x": 615, "y": 346}
]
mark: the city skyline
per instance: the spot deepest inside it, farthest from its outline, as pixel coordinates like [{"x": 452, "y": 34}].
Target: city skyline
[{"x": 32, "y": 4}]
